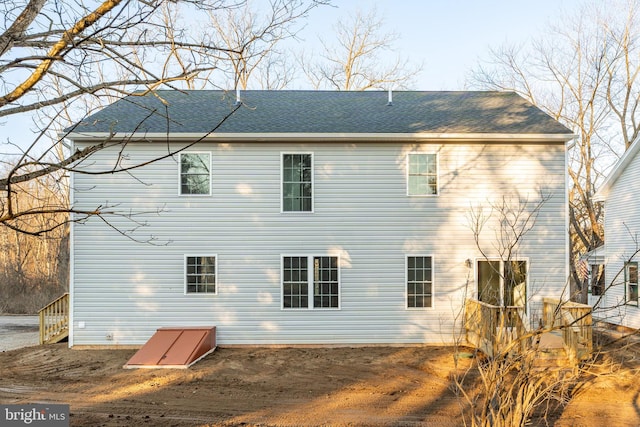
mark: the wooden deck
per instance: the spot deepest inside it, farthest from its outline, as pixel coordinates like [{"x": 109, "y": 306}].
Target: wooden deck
[
  {"x": 566, "y": 331},
  {"x": 54, "y": 320},
  {"x": 574, "y": 322}
]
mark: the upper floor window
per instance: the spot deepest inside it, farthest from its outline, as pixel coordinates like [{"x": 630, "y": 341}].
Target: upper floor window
[
  {"x": 422, "y": 174},
  {"x": 195, "y": 173},
  {"x": 200, "y": 274},
  {"x": 297, "y": 182},
  {"x": 631, "y": 282}
]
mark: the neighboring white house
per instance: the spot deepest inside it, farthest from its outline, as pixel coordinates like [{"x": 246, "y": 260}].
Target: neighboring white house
[
  {"x": 619, "y": 302},
  {"x": 312, "y": 217}
]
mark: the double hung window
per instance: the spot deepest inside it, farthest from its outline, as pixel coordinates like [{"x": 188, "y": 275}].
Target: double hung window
[
  {"x": 297, "y": 182},
  {"x": 422, "y": 174},
  {"x": 597, "y": 279},
  {"x": 631, "y": 282},
  {"x": 310, "y": 282},
  {"x": 195, "y": 173},
  {"x": 419, "y": 282},
  {"x": 200, "y": 274}
]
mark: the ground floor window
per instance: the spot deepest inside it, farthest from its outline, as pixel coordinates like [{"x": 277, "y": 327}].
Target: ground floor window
[
  {"x": 597, "y": 279},
  {"x": 295, "y": 282},
  {"x": 200, "y": 274},
  {"x": 310, "y": 282},
  {"x": 502, "y": 283},
  {"x": 631, "y": 282},
  {"x": 419, "y": 281}
]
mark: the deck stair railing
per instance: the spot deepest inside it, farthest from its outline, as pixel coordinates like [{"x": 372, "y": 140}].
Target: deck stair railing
[
  {"x": 574, "y": 321},
  {"x": 54, "y": 320},
  {"x": 491, "y": 328}
]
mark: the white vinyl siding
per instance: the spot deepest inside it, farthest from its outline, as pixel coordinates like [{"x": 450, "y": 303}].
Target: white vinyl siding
[
  {"x": 622, "y": 226},
  {"x": 125, "y": 288}
]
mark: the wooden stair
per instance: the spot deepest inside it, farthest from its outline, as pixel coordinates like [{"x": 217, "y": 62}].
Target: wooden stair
[
  {"x": 551, "y": 351},
  {"x": 54, "y": 320}
]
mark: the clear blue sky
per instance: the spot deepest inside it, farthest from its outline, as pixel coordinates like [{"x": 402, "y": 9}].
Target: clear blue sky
[{"x": 448, "y": 36}]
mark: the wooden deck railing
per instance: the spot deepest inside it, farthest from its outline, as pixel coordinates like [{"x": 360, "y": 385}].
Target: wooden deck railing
[
  {"x": 492, "y": 328},
  {"x": 575, "y": 322},
  {"x": 54, "y": 320}
]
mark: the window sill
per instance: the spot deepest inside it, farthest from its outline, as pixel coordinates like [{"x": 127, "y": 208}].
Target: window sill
[{"x": 200, "y": 294}]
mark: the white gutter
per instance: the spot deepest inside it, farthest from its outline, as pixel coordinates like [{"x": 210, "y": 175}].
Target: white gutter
[{"x": 301, "y": 137}]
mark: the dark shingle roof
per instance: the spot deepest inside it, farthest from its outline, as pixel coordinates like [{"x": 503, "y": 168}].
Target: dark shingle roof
[{"x": 323, "y": 112}]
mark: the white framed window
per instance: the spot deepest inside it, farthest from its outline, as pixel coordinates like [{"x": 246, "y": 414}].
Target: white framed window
[
  {"x": 502, "y": 283},
  {"x": 195, "y": 173},
  {"x": 631, "y": 282},
  {"x": 597, "y": 279},
  {"x": 419, "y": 281},
  {"x": 295, "y": 282},
  {"x": 200, "y": 274},
  {"x": 297, "y": 182},
  {"x": 310, "y": 282},
  {"x": 422, "y": 174}
]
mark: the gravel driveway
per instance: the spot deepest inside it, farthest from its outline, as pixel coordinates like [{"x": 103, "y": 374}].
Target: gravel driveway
[{"x": 18, "y": 331}]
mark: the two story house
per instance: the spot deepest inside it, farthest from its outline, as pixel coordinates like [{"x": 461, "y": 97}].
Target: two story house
[
  {"x": 313, "y": 218},
  {"x": 617, "y": 300}
]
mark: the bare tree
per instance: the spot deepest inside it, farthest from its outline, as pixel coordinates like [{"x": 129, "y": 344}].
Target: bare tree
[
  {"x": 34, "y": 269},
  {"x": 250, "y": 37},
  {"x": 522, "y": 370},
  {"x": 584, "y": 74},
  {"x": 60, "y": 61},
  {"x": 509, "y": 385},
  {"x": 354, "y": 60},
  {"x": 63, "y": 59}
]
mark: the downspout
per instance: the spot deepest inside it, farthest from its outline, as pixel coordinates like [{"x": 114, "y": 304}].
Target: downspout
[{"x": 71, "y": 147}]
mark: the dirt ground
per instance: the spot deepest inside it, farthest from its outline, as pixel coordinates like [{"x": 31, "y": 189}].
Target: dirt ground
[{"x": 369, "y": 386}]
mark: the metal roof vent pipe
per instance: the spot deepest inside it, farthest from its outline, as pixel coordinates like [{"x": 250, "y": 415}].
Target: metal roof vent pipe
[
  {"x": 238, "y": 99},
  {"x": 390, "y": 101}
]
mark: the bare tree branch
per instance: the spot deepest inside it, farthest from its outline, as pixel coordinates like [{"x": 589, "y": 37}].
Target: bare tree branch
[
  {"x": 60, "y": 60},
  {"x": 249, "y": 38},
  {"x": 57, "y": 52},
  {"x": 354, "y": 62},
  {"x": 20, "y": 25},
  {"x": 584, "y": 74}
]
